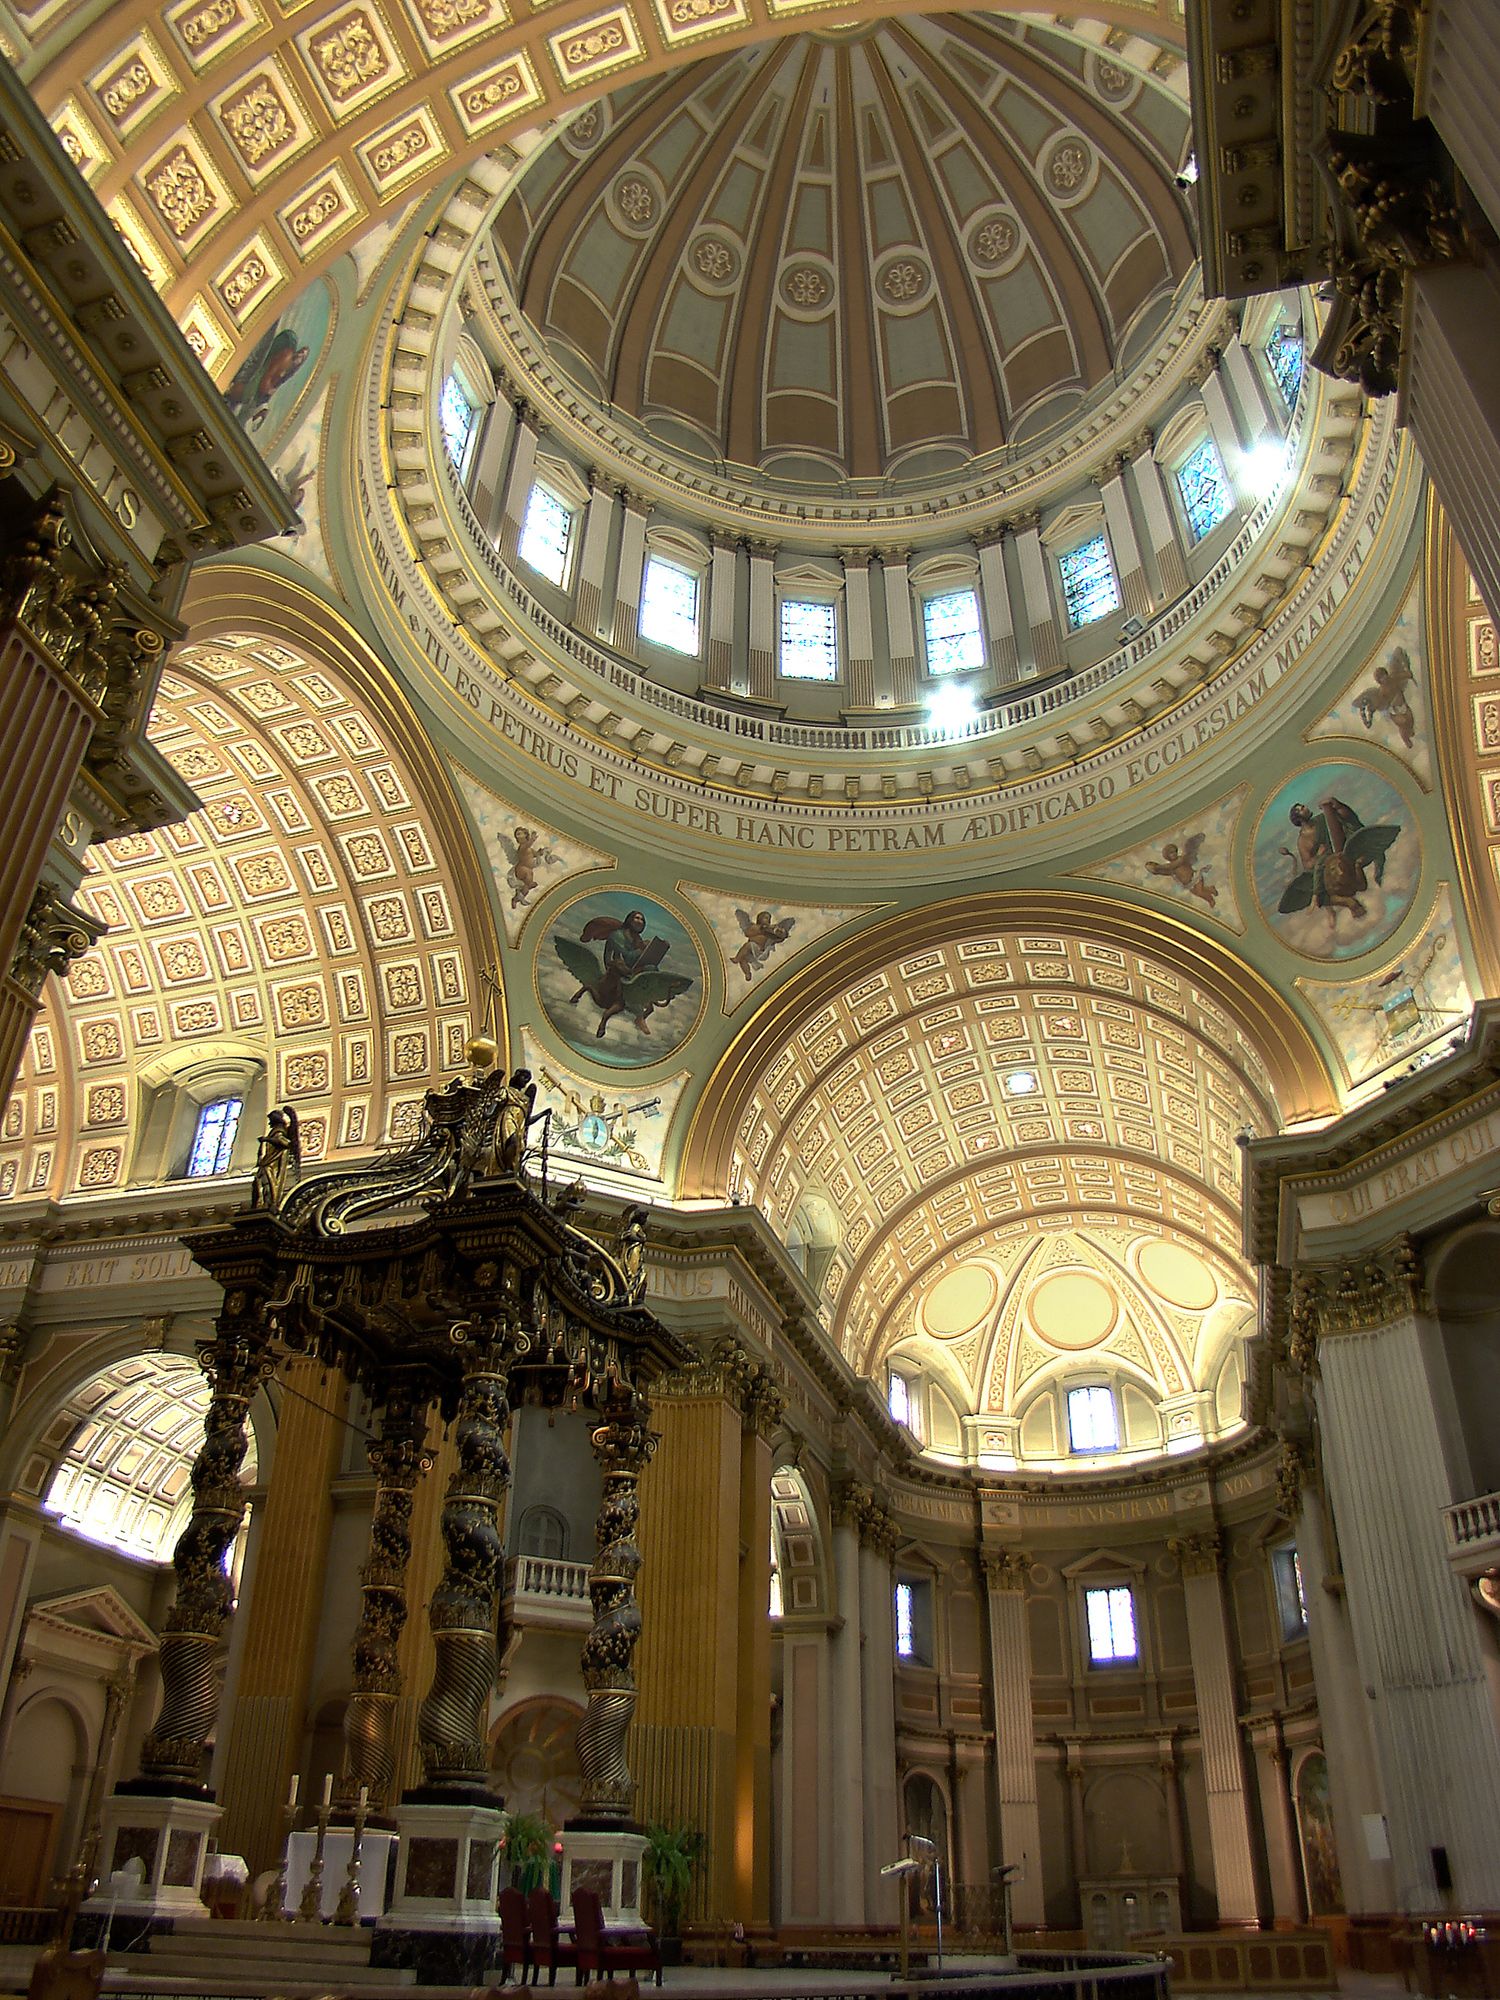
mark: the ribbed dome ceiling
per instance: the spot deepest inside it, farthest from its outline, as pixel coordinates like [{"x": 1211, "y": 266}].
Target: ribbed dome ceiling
[{"x": 972, "y": 217}]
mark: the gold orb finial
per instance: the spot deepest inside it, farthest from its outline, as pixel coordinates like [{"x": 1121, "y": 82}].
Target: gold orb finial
[{"x": 481, "y": 1051}]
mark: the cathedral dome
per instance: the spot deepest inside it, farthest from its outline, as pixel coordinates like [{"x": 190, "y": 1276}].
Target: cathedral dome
[{"x": 976, "y": 218}]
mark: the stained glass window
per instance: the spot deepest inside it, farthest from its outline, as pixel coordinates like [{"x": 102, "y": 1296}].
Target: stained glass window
[
  {"x": 1092, "y": 1422},
  {"x": 1284, "y": 355},
  {"x": 669, "y": 605},
  {"x": 213, "y": 1142},
  {"x": 1206, "y": 495},
  {"x": 546, "y": 534},
  {"x": 458, "y": 418},
  {"x": 955, "y": 644},
  {"x": 1291, "y": 1592},
  {"x": 1111, "y": 1623},
  {"x": 1089, "y": 587},
  {"x": 906, "y": 1643},
  {"x": 809, "y": 640}
]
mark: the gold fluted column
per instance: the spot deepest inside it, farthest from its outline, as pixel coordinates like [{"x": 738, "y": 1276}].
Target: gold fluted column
[
  {"x": 752, "y": 1817},
  {"x": 283, "y": 1613},
  {"x": 704, "y": 1658}
]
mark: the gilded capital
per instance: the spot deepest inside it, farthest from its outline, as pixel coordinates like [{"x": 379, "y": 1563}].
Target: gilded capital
[
  {"x": 1199, "y": 1555},
  {"x": 1005, "y": 1569}
]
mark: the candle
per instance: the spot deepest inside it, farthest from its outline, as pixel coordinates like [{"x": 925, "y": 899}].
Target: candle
[
  {"x": 328, "y": 1788},
  {"x": 364, "y": 1795},
  {"x": 291, "y": 1797}
]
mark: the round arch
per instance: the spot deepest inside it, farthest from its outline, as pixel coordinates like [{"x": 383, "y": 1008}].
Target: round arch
[
  {"x": 1299, "y": 1077},
  {"x": 798, "y": 1558}
]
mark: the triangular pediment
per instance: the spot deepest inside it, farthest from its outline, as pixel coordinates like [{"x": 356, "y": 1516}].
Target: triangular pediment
[{"x": 100, "y": 1612}]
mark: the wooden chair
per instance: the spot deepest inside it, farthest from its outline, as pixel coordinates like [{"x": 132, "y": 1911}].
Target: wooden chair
[
  {"x": 600, "y": 1952},
  {"x": 541, "y": 1931},
  {"x": 513, "y": 1946}
]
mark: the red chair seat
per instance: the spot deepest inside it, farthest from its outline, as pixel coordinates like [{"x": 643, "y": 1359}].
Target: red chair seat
[{"x": 601, "y": 1951}]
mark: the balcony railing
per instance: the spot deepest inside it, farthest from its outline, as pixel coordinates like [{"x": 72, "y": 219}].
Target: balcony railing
[
  {"x": 541, "y": 1590},
  {"x": 1473, "y": 1529}
]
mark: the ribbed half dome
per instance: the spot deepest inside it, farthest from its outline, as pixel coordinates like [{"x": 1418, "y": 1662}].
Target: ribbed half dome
[{"x": 973, "y": 217}]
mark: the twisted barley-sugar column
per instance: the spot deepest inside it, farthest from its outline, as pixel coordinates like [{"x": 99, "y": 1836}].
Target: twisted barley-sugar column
[
  {"x": 398, "y": 1459},
  {"x": 282, "y": 1611},
  {"x": 451, "y": 1720},
  {"x": 235, "y": 1361},
  {"x": 623, "y": 1445}
]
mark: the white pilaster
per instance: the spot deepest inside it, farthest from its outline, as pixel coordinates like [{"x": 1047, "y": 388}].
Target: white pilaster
[
  {"x": 1134, "y": 592},
  {"x": 1036, "y": 587},
  {"x": 1248, "y": 391},
  {"x": 1219, "y": 1729},
  {"x": 900, "y": 633},
  {"x": 489, "y": 463},
  {"x": 625, "y": 624},
  {"x": 994, "y": 595},
  {"x": 1221, "y": 422},
  {"x": 1415, "y": 1631},
  {"x": 861, "y": 629},
  {"x": 878, "y": 1672},
  {"x": 762, "y": 621},
  {"x": 1161, "y": 523},
  {"x": 518, "y": 481},
  {"x": 811, "y": 1814},
  {"x": 1015, "y": 1733},
  {"x": 593, "y": 558},
  {"x": 721, "y": 612},
  {"x": 847, "y": 1732}
]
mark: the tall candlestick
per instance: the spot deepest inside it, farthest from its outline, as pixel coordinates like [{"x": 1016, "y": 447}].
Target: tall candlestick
[
  {"x": 328, "y": 1788},
  {"x": 291, "y": 1797}
]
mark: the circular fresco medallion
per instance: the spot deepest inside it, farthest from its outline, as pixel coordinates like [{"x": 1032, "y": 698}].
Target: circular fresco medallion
[
  {"x": 959, "y": 1301},
  {"x": 619, "y": 978},
  {"x": 1179, "y": 1276},
  {"x": 1072, "y": 1310},
  {"x": 1337, "y": 860}
]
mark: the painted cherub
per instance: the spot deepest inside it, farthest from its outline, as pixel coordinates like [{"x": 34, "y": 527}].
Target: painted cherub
[
  {"x": 1180, "y": 865},
  {"x": 762, "y": 935},
  {"x": 528, "y": 852},
  {"x": 1387, "y": 696}
]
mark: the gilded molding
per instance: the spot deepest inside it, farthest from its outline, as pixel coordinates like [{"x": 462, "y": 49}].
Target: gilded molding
[
  {"x": 1005, "y": 1569},
  {"x": 1199, "y": 1554}
]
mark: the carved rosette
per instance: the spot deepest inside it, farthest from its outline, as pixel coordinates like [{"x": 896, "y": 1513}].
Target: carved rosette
[
  {"x": 236, "y": 1362},
  {"x": 398, "y": 1462},
  {"x": 624, "y": 1445},
  {"x": 451, "y": 1719}
]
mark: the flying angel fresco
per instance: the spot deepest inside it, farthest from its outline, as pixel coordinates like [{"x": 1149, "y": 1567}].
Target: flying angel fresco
[{"x": 630, "y": 980}]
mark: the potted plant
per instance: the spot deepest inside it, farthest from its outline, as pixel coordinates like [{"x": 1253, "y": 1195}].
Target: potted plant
[
  {"x": 528, "y": 1848},
  {"x": 673, "y": 1851}
]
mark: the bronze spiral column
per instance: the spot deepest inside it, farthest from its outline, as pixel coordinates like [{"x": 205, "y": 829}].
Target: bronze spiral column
[
  {"x": 398, "y": 1461},
  {"x": 451, "y": 1720},
  {"x": 236, "y": 1362},
  {"x": 623, "y": 1444}
]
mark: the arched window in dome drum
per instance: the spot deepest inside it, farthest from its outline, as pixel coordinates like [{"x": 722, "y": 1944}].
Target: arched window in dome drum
[
  {"x": 1285, "y": 355},
  {"x": 458, "y": 418},
  {"x": 951, "y": 630},
  {"x": 546, "y": 542},
  {"x": 1206, "y": 493},
  {"x": 670, "y": 599},
  {"x": 1090, "y": 588}
]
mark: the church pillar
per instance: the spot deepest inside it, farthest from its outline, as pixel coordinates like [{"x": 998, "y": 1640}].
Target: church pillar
[
  {"x": 877, "y": 1605},
  {"x": 1046, "y": 641},
  {"x": 1221, "y": 422},
  {"x": 762, "y": 621},
  {"x": 518, "y": 480},
  {"x": 846, "y": 1903},
  {"x": 626, "y": 623},
  {"x": 695, "y": 1654},
  {"x": 283, "y": 1613},
  {"x": 1218, "y": 1724},
  {"x": 900, "y": 634},
  {"x": 1273, "y": 1775},
  {"x": 593, "y": 557},
  {"x": 722, "y": 580},
  {"x": 812, "y": 1812},
  {"x": 1134, "y": 591},
  {"x": 1247, "y": 388},
  {"x": 1078, "y": 1830},
  {"x": 994, "y": 594},
  {"x": 1171, "y": 1785},
  {"x": 1395, "y": 1460},
  {"x": 1343, "y": 1707},
  {"x": 1161, "y": 522},
  {"x": 752, "y": 1822},
  {"x": 488, "y": 483},
  {"x": 1015, "y": 1731},
  {"x": 860, "y": 627},
  {"x": 414, "y": 1648}
]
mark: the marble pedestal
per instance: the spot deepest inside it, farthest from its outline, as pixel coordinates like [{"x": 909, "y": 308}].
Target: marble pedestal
[
  {"x": 608, "y": 1861},
  {"x": 441, "y": 1920},
  {"x": 168, "y": 1837}
]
